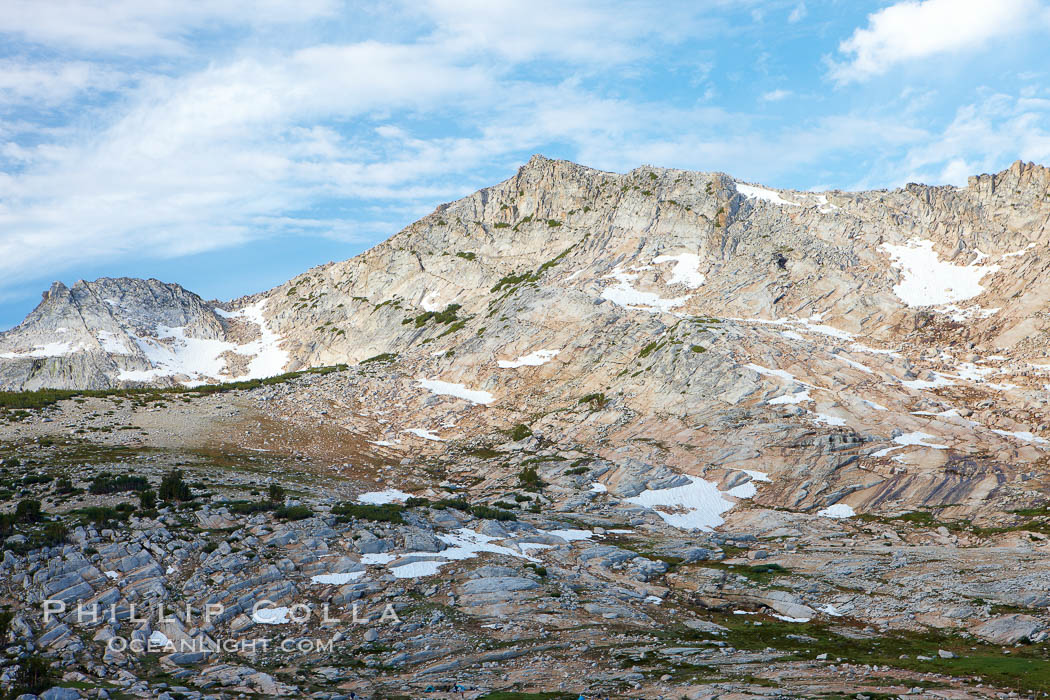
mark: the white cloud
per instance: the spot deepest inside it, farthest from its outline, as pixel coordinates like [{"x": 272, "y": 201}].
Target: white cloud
[
  {"x": 51, "y": 83},
  {"x": 775, "y": 95},
  {"x": 583, "y": 31},
  {"x": 982, "y": 137},
  {"x": 798, "y": 14},
  {"x": 912, "y": 30},
  {"x": 143, "y": 27},
  {"x": 197, "y": 163}
]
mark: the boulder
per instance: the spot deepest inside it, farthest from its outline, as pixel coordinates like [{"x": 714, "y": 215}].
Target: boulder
[{"x": 1008, "y": 629}]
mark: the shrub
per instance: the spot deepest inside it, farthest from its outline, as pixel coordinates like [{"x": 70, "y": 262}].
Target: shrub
[
  {"x": 276, "y": 493},
  {"x": 576, "y": 471},
  {"x": 520, "y": 432},
  {"x": 108, "y": 483},
  {"x": 447, "y": 316},
  {"x": 250, "y": 507},
  {"x": 173, "y": 488},
  {"x": 511, "y": 281},
  {"x": 596, "y": 400},
  {"x": 385, "y": 513},
  {"x": 148, "y": 499},
  {"x": 489, "y": 513},
  {"x": 650, "y": 348},
  {"x": 382, "y": 357},
  {"x": 28, "y": 511},
  {"x": 292, "y": 513},
  {"x": 541, "y": 571},
  {"x": 416, "y": 502},
  {"x": 54, "y": 535},
  {"x": 466, "y": 256},
  {"x": 457, "y": 503},
  {"x": 33, "y": 677},
  {"x": 529, "y": 478},
  {"x": 65, "y": 486},
  {"x": 100, "y": 515},
  {"x": 698, "y": 348}
]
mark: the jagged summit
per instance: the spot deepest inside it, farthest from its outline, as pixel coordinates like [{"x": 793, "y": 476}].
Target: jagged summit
[{"x": 115, "y": 331}]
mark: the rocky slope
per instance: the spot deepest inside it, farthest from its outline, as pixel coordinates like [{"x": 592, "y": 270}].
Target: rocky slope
[{"x": 660, "y": 434}]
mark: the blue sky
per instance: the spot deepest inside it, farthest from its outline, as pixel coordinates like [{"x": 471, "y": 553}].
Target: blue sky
[{"x": 229, "y": 145}]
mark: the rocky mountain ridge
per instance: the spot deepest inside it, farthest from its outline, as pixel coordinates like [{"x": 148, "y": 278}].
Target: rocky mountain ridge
[
  {"x": 876, "y": 350},
  {"x": 651, "y": 435}
]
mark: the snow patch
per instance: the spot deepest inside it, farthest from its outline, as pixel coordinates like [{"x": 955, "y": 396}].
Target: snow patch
[
  {"x": 380, "y": 498},
  {"x": 336, "y": 579},
  {"x": 197, "y": 358},
  {"x": 838, "y": 511},
  {"x": 159, "y": 639},
  {"x": 271, "y": 616},
  {"x": 767, "y": 372},
  {"x": 571, "y": 535},
  {"x": 533, "y": 359},
  {"x": 1023, "y": 435},
  {"x": 926, "y": 280},
  {"x": 696, "y": 506},
  {"x": 854, "y": 364},
  {"x": 829, "y": 420},
  {"x": 111, "y": 343},
  {"x": 441, "y": 388},
  {"x": 46, "y": 350},
  {"x": 463, "y": 544},
  {"x": 757, "y": 475},
  {"x": 939, "y": 380},
  {"x": 418, "y": 569},
  {"x": 772, "y": 196},
  {"x": 796, "y": 398},
  {"x": 686, "y": 270},
  {"x": 270, "y": 360},
  {"x": 918, "y": 439},
  {"x": 201, "y": 358},
  {"x": 430, "y": 303},
  {"x": 623, "y": 294},
  {"x": 1018, "y": 253},
  {"x": 425, "y": 434}
]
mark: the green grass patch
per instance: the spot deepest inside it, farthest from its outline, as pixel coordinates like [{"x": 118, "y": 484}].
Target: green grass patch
[
  {"x": 42, "y": 398},
  {"x": 381, "y": 357}
]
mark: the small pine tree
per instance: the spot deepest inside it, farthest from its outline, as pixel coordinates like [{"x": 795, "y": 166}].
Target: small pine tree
[
  {"x": 276, "y": 493},
  {"x": 148, "y": 499},
  {"x": 173, "y": 488},
  {"x": 28, "y": 511}
]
